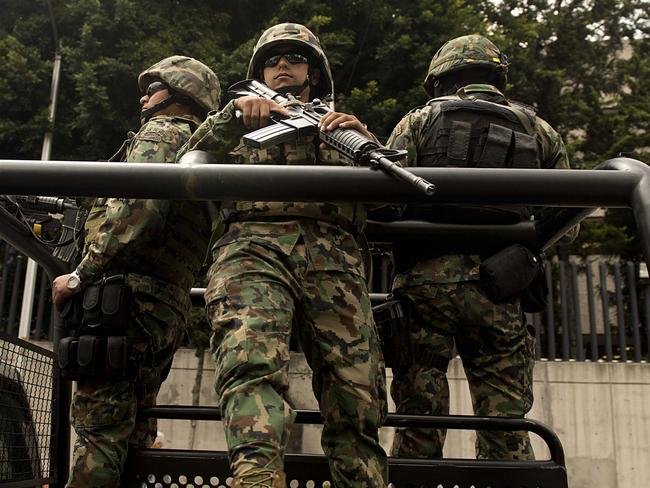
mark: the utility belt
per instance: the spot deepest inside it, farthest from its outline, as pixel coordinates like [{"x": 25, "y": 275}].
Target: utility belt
[
  {"x": 233, "y": 217},
  {"x": 96, "y": 344}
]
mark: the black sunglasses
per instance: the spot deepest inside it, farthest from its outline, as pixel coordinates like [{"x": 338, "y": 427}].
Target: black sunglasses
[
  {"x": 293, "y": 58},
  {"x": 154, "y": 87}
]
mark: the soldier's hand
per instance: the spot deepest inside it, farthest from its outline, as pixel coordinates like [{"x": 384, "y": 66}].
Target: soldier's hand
[
  {"x": 334, "y": 120},
  {"x": 60, "y": 291},
  {"x": 256, "y": 110}
]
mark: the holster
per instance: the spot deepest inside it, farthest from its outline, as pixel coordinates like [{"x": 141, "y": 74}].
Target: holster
[
  {"x": 507, "y": 274},
  {"x": 392, "y": 323},
  {"x": 97, "y": 346},
  {"x": 72, "y": 313},
  {"x": 67, "y": 356},
  {"x": 90, "y": 356}
]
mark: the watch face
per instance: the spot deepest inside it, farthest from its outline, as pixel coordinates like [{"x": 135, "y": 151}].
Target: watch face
[{"x": 73, "y": 282}]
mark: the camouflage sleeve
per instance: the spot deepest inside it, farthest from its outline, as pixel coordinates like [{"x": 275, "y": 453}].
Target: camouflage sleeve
[
  {"x": 554, "y": 153},
  {"x": 130, "y": 224},
  {"x": 409, "y": 133},
  {"x": 407, "y": 136},
  {"x": 218, "y": 134}
]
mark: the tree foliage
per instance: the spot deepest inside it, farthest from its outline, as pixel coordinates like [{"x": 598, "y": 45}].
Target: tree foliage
[{"x": 583, "y": 64}]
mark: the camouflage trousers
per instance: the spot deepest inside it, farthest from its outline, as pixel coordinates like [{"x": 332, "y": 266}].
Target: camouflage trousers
[
  {"x": 258, "y": 294},
  {"x": 103, "y": 412},
  {"x": 497, "y": 351}
]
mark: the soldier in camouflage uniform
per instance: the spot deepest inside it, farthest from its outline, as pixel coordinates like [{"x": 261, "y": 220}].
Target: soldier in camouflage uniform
[
  {"x": 279, "y": 264},
  {"x": 160, "y": 246},
  {"x": 468, "y": 123}
]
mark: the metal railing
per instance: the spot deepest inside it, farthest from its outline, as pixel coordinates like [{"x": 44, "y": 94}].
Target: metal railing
[
  {"x": 582, "y": 321},
  {"x": 598, "y": 311},
  {"x": 12, "y": 280}
]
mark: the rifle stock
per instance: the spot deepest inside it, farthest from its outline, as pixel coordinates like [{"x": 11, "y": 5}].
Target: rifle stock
[{"x": 303, "y": 122}]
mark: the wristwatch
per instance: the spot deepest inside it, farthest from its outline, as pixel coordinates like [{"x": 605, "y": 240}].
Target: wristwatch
[{"x": 74, "y": 281}]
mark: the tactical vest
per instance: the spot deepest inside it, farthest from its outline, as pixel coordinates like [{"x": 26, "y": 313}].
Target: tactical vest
[
  {"x": 179, "y": 250},
  {"x": 472, "y": 133},
  {"x": 304, "y": 152},
  {"x": 177, "y": 253},
  {"x": 480, "y": 134}
]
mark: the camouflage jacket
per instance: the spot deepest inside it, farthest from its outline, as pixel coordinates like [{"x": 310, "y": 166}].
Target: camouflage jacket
[
  {"x": 412, "y": 132},
  {"x": 326, "y": 228},
  {"x": 159, "y": 244}
]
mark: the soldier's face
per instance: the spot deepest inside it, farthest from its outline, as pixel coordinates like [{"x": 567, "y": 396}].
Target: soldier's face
[
  {"x": 156, "y": 93},
  {"x": 284, "y": 73}
]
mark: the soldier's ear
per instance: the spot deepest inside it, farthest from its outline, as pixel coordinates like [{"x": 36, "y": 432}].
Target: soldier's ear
[{"x": 314, "y": 76}]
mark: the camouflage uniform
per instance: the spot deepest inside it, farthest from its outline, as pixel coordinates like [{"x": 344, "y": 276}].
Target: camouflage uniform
[
  {"x": 281, "y": 264},
  {"x": 160, "y": 246},
  {"x": 448, "y": 304}
]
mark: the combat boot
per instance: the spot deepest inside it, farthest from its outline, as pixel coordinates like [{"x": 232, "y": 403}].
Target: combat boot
[{"x": 261, "y": 478}]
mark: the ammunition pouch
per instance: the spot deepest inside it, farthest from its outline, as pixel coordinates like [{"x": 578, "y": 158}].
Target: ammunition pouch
[
  {"x": 72, "y": 313},
  {"x": 392, "y": 322},
  {"x": 96, "y": 345},
  {"x": 512, "y": 273},
  {"x": 105, "y": 304}
]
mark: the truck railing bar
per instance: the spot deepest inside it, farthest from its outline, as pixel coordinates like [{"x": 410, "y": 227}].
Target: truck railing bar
[
  {"x": 459, "y": 422},
  {"x": 487, "y": 186}
]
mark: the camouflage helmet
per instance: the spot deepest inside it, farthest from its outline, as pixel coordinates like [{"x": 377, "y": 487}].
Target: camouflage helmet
[
  {"x": 187, "y": 77},
  {"x": 465, "y": 52},
  {"x": 306, "y": 40}
]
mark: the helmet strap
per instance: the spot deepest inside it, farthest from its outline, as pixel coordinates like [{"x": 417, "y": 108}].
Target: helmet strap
[
  {"x": 150, "y": 112},
  {"x": 442, "y": 88},
  {"x": 294, "y": 90}
]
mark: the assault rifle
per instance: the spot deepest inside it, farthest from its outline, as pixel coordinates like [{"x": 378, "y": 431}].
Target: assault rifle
[{"x": 303, "y": 121}]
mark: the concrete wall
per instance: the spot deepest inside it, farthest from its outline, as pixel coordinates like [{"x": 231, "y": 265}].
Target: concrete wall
[{"x": 601, "y": 412}]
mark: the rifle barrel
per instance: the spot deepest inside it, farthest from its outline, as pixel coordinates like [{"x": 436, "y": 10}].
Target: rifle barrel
[{"x": 420, "y": 183}]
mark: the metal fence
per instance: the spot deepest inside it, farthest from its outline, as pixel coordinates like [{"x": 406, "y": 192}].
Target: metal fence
[
  {"x": 12, "y": 281},
  {"x": 28, "y": 414},
  {"x": 599, "y": 310}
]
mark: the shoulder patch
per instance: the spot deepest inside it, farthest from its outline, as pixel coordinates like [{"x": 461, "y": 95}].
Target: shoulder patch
[{"x": 154, "y": 134}]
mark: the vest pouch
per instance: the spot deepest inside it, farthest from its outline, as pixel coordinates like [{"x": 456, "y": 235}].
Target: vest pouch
[
  {"x": 117, "y": 354},
  {"x": 67, "y": 358},
  {"x": 525, "y": 152},
  {"x": 91, "y": 353},
  {"x": 496, "y": 148},
  {"x": 507, "y": 273},
  {"x": 91, "y": 309},
  {"x": 114, "y": 305}
]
